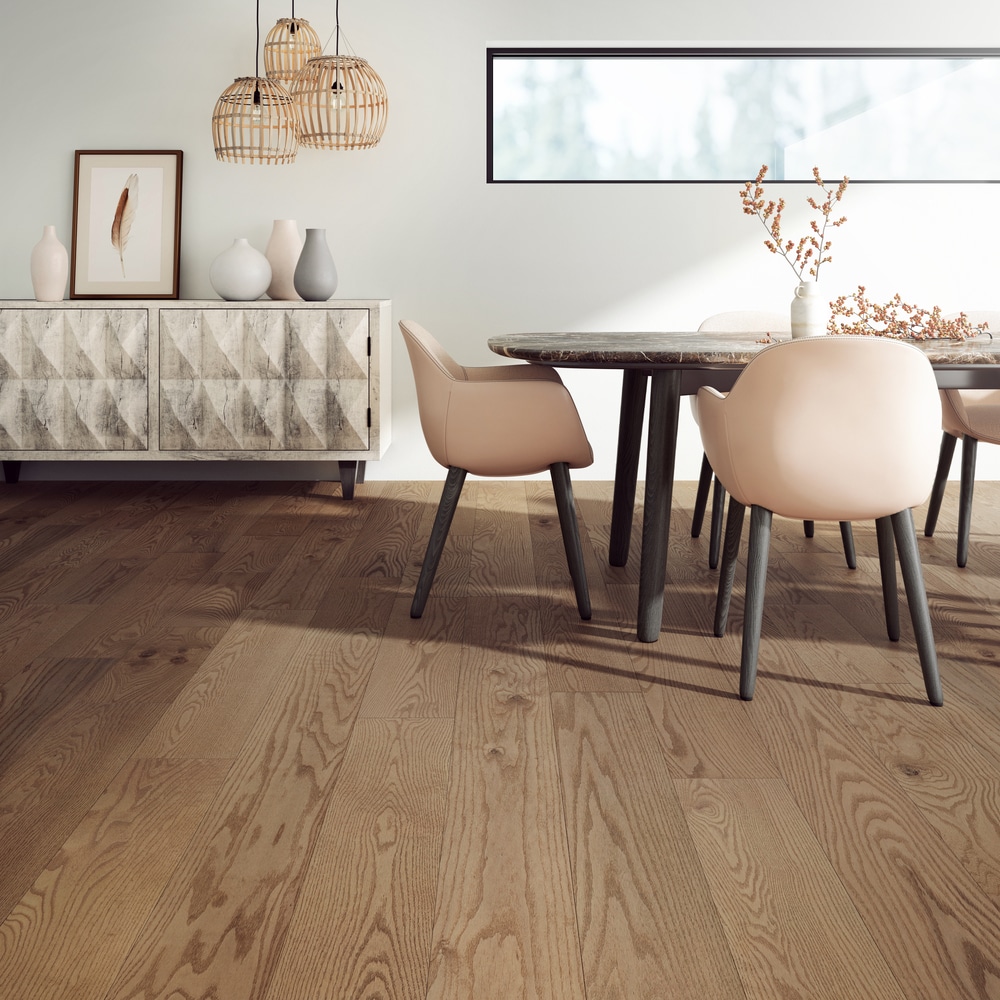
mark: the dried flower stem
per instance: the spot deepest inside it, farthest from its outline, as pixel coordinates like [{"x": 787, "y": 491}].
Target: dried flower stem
[
  {"x": 855, "y": 314},
  {"x": 808, "y": 254}
]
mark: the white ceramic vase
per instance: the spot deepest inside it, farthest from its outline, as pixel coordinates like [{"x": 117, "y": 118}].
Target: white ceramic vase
[
  {"x": 49, "y": 267},
  {"x": 282, "y": 253},
  {"x": 241, "y": 273},
  {"x": 810, "y": 313},
  {"x": 315, "y": 273}
]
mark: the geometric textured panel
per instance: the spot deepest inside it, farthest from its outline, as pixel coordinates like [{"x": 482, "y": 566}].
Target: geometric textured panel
[
  {"x": 74, "y": 380},
  {"x": 264, "y": 380}
]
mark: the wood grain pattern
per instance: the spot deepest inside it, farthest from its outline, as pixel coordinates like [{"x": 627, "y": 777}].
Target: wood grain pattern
[
  {"x": 647, "y": 924},
  {"x": 71, "y": 930},
  {"x": 219, "y": 926},
  {"x": 372, "y": 871},
  {"x": 888, "y": 855},
  {"x": 505, "y": 923},
  {"x": 759, "y": 855},
  {"x": 233, "y": 767}
]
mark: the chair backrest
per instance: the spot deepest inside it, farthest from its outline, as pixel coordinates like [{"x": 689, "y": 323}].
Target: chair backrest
[
  {"x": 974, "y": 411},
  {"x": 747, "y": 321},
  {"x": 828, "y": 428},
  {"x": 501, "y": 420},
  {"x": 978, "y": 317}
]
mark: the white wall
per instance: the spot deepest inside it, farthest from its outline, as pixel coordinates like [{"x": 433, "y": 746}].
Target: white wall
[{"x": 413, "y": 220}]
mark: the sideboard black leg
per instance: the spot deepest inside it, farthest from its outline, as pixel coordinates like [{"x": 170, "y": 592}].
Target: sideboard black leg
[
  {"x": 348, "y": 477},
  {"x": 11, "y": 472}
]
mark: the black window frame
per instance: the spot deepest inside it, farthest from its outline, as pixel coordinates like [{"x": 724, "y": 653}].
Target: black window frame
[{"x": 728, "y": 52}]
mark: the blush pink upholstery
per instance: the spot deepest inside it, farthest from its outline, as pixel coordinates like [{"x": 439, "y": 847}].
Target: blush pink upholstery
[
  {"x": 504, "y": 420},
  {"x": 831, "y": 428},
  {"x": 758, "y": 322},
  {"x": 969, "y": 416}
]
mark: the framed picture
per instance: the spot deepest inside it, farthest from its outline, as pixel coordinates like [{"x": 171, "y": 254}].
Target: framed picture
[{"x": 126, "y": 224}]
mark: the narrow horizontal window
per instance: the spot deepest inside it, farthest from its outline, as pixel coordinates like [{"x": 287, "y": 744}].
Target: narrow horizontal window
[{"x": 716, "y": 115}]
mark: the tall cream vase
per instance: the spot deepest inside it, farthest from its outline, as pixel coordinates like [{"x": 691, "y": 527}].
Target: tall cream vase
[
  {"x": 282, "y": 252},
  {"x": 809, "y": 312},
  {"x": 49, "y": 267}
]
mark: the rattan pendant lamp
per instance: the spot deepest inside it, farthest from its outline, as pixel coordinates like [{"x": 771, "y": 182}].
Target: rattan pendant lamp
[
  {"x": 341, "y": 101},
  {"x": 289, "y": 45},
  {"x": 255, "y": 120}
]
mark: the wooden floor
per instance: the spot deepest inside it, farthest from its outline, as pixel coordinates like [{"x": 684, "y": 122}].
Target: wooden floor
[{"x": 232, "y": 767}]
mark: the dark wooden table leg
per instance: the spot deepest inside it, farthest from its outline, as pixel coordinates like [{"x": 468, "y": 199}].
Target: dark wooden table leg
[
  {"x": 11, "y": 471},
  {"x": 664, "y": 407},
  {"x": 633, "y": 406}
]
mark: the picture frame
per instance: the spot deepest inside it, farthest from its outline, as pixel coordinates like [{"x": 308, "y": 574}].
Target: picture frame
[{"x": 126, "y": 224}]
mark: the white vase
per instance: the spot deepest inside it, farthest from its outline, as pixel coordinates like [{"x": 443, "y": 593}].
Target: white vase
[
  {"x": 282, "y": 253},
  {"x": 810, "y": 313},
  {"x": 49, "y": 267},
  {"x": 315, "y": 273},
  {"x": 241, "y": 273}
]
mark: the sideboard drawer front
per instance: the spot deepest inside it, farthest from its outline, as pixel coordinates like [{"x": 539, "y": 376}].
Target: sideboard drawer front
[
  {"x": 74, "y": 380},
  {"x": 264, "y": 380}
]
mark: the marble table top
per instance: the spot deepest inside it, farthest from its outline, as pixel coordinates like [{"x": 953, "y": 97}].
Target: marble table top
[{"x": 682, "y": 349}]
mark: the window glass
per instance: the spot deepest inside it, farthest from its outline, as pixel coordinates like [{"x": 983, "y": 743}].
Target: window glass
[{"x": 717, "y": 115}]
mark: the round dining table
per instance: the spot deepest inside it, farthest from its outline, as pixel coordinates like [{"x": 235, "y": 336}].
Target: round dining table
[{"x": 676, "y": 363}]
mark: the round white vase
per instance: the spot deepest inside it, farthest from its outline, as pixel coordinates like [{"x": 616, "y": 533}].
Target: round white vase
[
  {"x": 282, "y": 253},
  {"x": 49, "y": 267},
  {"x": 315, "y": 273},
  {"x": 241, "y": 273},
  {"x": 809, "y": 313}
]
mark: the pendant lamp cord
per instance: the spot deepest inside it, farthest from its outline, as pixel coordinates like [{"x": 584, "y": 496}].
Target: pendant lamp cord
[
  {"x": 337, "y": 14},
  {"x": 256, "y": 61}
]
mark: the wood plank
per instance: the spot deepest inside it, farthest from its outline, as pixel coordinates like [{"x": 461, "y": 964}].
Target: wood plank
[
  {"x": 391, "y": 523},
  {"x": 71, "y": 930},
  {"x": 417, "y": 672},
  {"x": 501, "y": 549},
  {"x": 221, "y": 702},
  {"x": 940, "y": 768},
  {"x": 372, "y": 874},
  {"x": 505, "y": 923},
  {"x": 689, "y": 682},
  {"x": 317, "y": 557},
  {"x": 118, "y": 623},
  {"x": 34, "y": 628},
  {"x": 939, "y": 932},
  {"x": 759, "y": 855},
  {"x": 647, "y": 923},
  {"x": 54, "y": 772},
  {"x": 579, "y": 655},
  {"x": 218, "y": 928}
]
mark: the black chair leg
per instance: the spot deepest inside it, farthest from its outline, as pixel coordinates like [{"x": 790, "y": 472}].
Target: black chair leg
[
  {"x": 968, "y": 484},
  {"x": 809, "y": 528},
  {"x": 701, "y": 497},
  {"x": 847, "y": 535},
  {"x": 948, "y": 442},
  {"x": 916, "y": 597},
  {"x": 718, "y": 505},
  {"x": 435, "y": 545},
  {"x": 731, "y": 549},
  {"x": 887, "y": 567},
  {"x": 563, "y": 488},
  {"x": 753, "y": 609}
]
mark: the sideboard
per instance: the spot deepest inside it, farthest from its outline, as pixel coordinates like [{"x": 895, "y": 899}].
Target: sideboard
[{"x": 176, "y": 380}]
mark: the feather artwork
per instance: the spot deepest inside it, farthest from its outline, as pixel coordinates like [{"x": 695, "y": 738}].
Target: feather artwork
[{"x": 124, "y": 216}]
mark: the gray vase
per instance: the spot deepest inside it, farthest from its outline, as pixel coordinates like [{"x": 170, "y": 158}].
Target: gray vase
[{"x": 315, "y": 273}]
